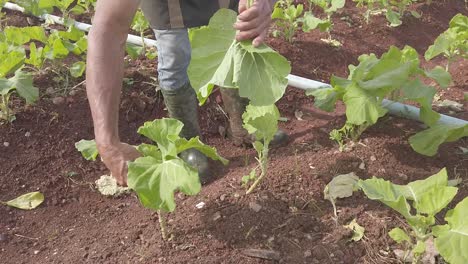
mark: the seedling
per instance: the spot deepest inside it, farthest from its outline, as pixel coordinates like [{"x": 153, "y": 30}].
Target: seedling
[
  {"x": 453, "y": 43},
  {"x": 262, "y": 122},
  {"x": 396, "y": 72},
  {"x": 419, "y": 202},
  {"x": 21, "y": 84},
  {"x": 287, "y": 17},
  {"x": 311, "y": 22},
  {"x": 394, "y": 10},
  {"x": 160, "y": 171},
  {"x": 140, "y": 24}
]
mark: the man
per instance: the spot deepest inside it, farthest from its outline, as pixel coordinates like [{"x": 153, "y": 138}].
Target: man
[{"x": 170, "y": 20}]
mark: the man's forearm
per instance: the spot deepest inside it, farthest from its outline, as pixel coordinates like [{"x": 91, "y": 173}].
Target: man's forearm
[
  {"x": 105, "y": 65},
  {"x": 104, "y": 82}
]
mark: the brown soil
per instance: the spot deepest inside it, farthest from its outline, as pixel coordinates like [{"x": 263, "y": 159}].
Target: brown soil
[{"x": 78, "y": 225}]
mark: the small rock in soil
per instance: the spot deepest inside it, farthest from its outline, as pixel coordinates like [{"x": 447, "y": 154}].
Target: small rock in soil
[
  {"x": 50, "y": 90},
  {"x": 320, "y": 253},
  {"x": 200, "y": 205},
  {"x": 6, "y": 144},
  {"x": 255, "y": 207},
  {"x": 58, "y": 100},
  {"x": 3, "y": 238},
  {"x": 27, "y": 134},
  {"x": 362, "y": 166},
  {"x": 219, "y": 99},
  {"x": 307, "y": 254},
  {"x": 217, "y": 216},
  {"x": 262, "y": 253},
  {"x": 70, "y": 100},
  {"x": 143, "y": 225},
  {"x": 222, "y": 197},
  {"x": 339, "y": 254},
  {"x": 373, "y": 158},
  {"x": 403, "y": 176},
  {"x": 73, "y": 92},
  {"x": 36, "y": 252},
  {"x": 298, "y": 114},
  {"x": 222, "y": 131}
]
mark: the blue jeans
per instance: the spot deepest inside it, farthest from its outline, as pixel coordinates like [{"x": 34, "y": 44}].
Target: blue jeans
[{"x": 174, "y": 53}]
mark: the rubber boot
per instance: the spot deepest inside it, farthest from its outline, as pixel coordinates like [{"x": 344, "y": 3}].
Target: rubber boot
[
  {"x": 182, "y": 105},
  {"x": 234, "y": 105}
]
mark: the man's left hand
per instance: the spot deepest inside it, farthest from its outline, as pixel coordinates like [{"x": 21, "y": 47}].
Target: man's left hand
[{"x": 253, "y": 22}]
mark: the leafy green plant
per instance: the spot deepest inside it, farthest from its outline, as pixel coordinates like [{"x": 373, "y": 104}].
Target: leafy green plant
[
  {"x": 259, "y": 74},
  {"x": 66, "y": 7},
  {"x": 160, "y": 171},
  {"x": 22, "y": 84},
  {"x": 88, "y": 149},
  {"x": 36, "y": 7},
  {"x": 2, "y": 15},
  {"x": 394, "y": 9},
  {"x": 140, "y": 24},
  {"x": 419, "y": 202},
  {"x": 453, "y": 43},
  {"x": 262, "y": 122},
  {"x": 427, "y": 142},
  {"x": 311, "y": 22},
  {"x": 219, "y": 60},
  {"x": 287, "y": 17},
  {"x": 398, "y": 74}
]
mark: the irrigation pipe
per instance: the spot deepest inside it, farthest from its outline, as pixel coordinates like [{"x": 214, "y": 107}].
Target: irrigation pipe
[
  {"x": 394, "y": 108},
  {"x": 132, "y": 39}
]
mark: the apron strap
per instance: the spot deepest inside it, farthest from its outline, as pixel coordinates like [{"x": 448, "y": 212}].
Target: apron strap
[
  {"x": 224, "y": 3},
  {"x": 175, "y": 14}
]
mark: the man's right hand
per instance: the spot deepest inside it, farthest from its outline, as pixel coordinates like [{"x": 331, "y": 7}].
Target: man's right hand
[{"x": 116, "y": 156}]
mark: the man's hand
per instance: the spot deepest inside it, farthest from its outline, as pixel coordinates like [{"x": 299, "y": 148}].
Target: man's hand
[
  {"x": 104, "y": 73},
  {"x": 115, "y": 157},
  {"x": 253, "y": 23}
]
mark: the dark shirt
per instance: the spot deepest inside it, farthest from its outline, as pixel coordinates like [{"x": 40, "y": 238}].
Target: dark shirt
[{"x": 172, "y": 14}]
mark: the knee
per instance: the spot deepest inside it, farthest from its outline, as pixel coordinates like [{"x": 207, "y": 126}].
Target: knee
[{"x": 174, "y": 49}]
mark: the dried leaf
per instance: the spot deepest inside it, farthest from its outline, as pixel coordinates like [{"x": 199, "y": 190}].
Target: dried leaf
[
  {"x": 341, "y": 186},
  {"x": 27, "y": 201}
]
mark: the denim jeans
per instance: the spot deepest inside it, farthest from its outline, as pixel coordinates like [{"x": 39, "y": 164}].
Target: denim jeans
[{"x": 174, "y": 53}]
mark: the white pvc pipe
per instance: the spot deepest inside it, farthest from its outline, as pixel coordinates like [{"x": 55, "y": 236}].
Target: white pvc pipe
[
  {"x": 132, "y": 39},
  {"x": 394, "y": 108}
]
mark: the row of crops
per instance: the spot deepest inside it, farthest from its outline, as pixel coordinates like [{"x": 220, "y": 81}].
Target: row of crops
[{"x": 260, "y": 75}]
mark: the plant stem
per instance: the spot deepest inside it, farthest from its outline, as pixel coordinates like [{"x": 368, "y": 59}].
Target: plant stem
[
  {"x": 162, "y": 225},
  {"x": 263, "y": 167},
  {"x": 4, "y": 107},
  {"x": 142, "y": 35}
]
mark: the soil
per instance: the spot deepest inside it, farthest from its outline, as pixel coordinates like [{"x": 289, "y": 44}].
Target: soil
[{"x": 286, "y": 215}]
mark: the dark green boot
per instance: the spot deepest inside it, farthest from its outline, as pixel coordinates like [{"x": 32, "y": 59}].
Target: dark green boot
[
  {"x": 182, "y": 105},
  {"x": 234, "y": 105}
]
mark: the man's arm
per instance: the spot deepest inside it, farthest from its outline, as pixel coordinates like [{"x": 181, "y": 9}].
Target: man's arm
[{"x": 104, "y": 73}]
